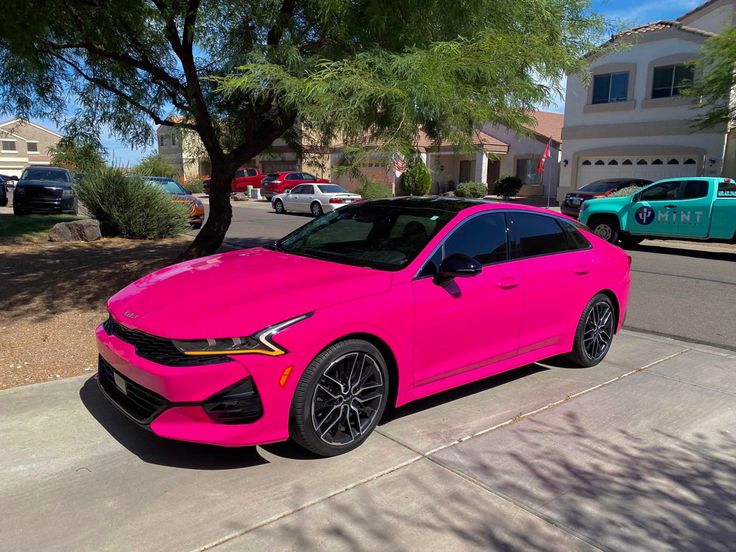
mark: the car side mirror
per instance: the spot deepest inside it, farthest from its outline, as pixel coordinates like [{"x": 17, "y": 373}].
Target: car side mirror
[{"x": 457, "y": 265}]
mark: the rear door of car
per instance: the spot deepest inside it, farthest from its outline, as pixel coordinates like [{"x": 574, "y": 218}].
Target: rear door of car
[
  {"x": 555, "y": 263},
  {"x": 694, "y": 209}
]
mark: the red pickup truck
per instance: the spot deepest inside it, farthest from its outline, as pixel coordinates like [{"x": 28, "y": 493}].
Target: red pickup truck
[{"x": 244, "y": 177}]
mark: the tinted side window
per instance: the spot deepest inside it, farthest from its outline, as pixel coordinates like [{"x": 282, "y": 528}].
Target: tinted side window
[
  {"x": 695, "y": 189},
  {"x": 482, "y": 237},
  {"x": 251, "y": 172},
  {"x": 239, "y": 173},
  {"x": 727, "y": 188},
  {"x": 662, "y": 191},
  {"x": 531, "y": 235},
  {"x": 307, "y": 176},
  {"x": 299, "y": 190},
  {"x": 574, "y": 238},
  {"x": 294, "y": 176}
]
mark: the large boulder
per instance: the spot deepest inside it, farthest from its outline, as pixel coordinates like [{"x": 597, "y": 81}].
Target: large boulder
[{"x": 76, "y": 230}]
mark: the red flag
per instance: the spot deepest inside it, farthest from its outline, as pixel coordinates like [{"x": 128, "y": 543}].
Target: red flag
[{"x": 545, "y": 156}]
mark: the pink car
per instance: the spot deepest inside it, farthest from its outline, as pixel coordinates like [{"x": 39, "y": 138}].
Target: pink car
[{"x": 389, "y": 300}]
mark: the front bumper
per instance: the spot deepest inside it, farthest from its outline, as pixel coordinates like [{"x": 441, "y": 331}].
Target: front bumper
[
  {"x": 38, "y": 205},
  {"x": 185, "y": 402}
]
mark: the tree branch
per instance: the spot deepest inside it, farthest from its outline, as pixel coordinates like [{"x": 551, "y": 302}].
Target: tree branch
[{"x": 285, "y": 14}]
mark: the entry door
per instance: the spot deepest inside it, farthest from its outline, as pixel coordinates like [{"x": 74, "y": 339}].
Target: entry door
[
  {"x": 466, "y": 171},
  {"x": 655, "y": 213},
  {"x": 471, "y": 322},
  {"x": 494, "y": 171}
]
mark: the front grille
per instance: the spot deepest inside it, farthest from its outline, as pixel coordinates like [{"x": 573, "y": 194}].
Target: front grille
[
  {"x": 42, "y": 192},
  {"x": 157, "y": 349},
  {"x": 139, "y": 403}
]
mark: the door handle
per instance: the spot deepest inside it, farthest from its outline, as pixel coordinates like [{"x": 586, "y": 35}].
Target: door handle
[
  {"x": 508, "y": 283},
  {"x": 581, "y": 270},
  {"x": 670, "y": 206}
]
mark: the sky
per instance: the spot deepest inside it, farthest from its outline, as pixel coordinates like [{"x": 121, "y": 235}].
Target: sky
[{"x": 627, "y": 13}]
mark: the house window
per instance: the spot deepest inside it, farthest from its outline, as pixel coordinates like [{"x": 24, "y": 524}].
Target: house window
[
  {"x": 32, "y": 147},
  {"x": 162, "y": 140},
  {"x": 670, "y": 79},
  {"x": 8, "y": 145},
  {"x": 610, "y": 87},
  {"x": 526, "y": 170}
]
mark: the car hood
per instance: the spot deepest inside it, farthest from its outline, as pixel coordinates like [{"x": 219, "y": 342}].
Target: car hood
[
  {"x": 238, "y": 293},
  {"x": 43, "y": 183}
]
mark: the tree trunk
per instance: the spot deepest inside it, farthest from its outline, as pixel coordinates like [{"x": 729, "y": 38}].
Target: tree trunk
[{"x": 213, "y": 232}]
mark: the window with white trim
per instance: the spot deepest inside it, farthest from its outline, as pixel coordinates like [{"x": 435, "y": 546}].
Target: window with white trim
[
  {"x": 32, "y": 147},
  {"x": 8, "y": 145},
  {"x": 611, "y": 87}
]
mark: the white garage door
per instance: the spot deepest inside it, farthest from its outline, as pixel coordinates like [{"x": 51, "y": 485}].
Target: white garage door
[{"x": 652, "y": 168}]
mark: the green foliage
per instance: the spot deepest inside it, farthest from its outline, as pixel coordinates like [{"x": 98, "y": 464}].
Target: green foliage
[
  {"x": 78, "y": 156},
  {"x": 194, "y": 185},
  {"x": 131, "y": 208},
  {"x": 471, "y": 189},
  {"x": 155, "y": 165},
  {"x": 373, "y": 189},
  {"x": 717, "y": 79},
  {"x": 507, "y": 186},
  {"x": 417, "y": 179},
  {"x": 623, "y": 192}
]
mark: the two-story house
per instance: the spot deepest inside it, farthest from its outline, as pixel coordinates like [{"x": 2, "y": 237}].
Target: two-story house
[
  {"x": 629, "y": 119},
  {"x": 24, "y": 143}
]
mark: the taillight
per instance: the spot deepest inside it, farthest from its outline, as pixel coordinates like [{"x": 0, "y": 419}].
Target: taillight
[
  {"x": 629, "y": 257},
  {"x": 336, "y": 200}
]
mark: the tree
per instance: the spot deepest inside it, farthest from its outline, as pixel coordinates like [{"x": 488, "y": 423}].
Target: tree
[
  {"x": 243, "y": 73},
  {"x": 417, "y": 179},
  {"x": 716, "y": 81},
  {"x": 85, "y": 156},
  {"x": 155, "y": 165}
]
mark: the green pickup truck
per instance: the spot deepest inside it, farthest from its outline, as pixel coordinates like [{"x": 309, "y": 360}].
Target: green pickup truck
[{"x": 702, "y": 209}]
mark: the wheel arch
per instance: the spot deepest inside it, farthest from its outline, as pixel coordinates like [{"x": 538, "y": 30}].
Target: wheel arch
[{"x": 616, "y": 305}]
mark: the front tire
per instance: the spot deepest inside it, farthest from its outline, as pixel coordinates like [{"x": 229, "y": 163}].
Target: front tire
[
  {"x": 340, "y": 398},
  {"x": 594, "y": 332},
  {"x": 606, "y": 229},
  {"x": 278, "y": 206},
  {"x": 18, "y": 212},
  {"x": 316, "y": 209}
]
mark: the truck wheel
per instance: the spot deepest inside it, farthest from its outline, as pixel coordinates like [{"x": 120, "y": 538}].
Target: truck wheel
[{"x": 606, "y": 229}]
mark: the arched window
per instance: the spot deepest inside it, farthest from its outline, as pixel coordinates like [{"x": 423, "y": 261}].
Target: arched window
[
  {"x": 690, "y": 162},
  {"x": 673, "y": 162},
  {"x": 586, "y": 163},
  {"x": 613, "y": 162},
  {"x": 657, "y": 162},
  {"x": 627, "y": 162},
  {"x": 599, "y": 162},
  {"x": 641, "y": 162}
]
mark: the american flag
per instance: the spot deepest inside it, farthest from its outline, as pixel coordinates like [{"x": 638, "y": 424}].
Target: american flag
[{"x": 398, "y": 163}]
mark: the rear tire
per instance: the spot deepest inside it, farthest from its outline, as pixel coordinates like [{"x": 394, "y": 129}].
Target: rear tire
[
  {"x": 316, "y": 209},
  {"x": 278, "y": 206},
  {"x": 340, "y": 398},
  {"x": 594, "y": 332}
]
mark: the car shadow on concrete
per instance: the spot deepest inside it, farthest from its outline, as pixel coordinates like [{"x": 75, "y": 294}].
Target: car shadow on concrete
[
  {"x": 156, "y": 450},
  {"x": 683, "y": 252}
]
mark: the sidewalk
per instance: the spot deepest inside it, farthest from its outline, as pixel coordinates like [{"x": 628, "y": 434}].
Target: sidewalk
[{"x": 637, "y": 453}]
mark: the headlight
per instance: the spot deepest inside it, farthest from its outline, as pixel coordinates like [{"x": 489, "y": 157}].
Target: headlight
[
  {"x": 260, "y": 343},
  {"x": 67, "y": 192}
]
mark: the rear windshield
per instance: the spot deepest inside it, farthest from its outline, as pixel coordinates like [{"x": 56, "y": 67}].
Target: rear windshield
[
  {"x": 332, "y": 189},
  {"x": 44, "y": 173},
  {"x": 727, "y": 188}
]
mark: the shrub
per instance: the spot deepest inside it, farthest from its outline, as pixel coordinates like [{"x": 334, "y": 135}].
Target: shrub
[
  {"x": 507, "y": 186},
  {"x": 129, "y": 207},
  {"x": 373, "y": 189},
  {"x": 416, "y": 180},
  {"x": 195, "y": 185},
  {"x": 471, "y": 189},
  {"x": 629, "y": 190},
  {"x": 155, "y": 165}
]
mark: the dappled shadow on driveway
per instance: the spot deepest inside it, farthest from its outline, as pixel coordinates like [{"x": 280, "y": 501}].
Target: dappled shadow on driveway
[{"x": 155, "y": 450}]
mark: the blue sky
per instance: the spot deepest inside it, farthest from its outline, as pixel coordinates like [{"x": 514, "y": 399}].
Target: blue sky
[{"x": 627, "y": 12}]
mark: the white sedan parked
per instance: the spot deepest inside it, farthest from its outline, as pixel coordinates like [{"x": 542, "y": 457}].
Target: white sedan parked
[{"x": 313, "y": 198}]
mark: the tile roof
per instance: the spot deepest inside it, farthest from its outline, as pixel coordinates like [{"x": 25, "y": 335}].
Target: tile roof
[
  {"x": 549, "y": 124},
  {"x": 658, "y": 26},
  {"x": 480, "y": 138}
]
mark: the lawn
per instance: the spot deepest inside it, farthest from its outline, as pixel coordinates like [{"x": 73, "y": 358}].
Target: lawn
[{"x": 28, "y": 228}]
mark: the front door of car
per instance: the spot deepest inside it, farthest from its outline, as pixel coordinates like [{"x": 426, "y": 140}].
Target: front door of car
[
  {"x": 655, "y": 212},
  {"x": 471, "y": 322},
  {"x": 298, "y": 199},
  {"x": 694, "y": 209}
]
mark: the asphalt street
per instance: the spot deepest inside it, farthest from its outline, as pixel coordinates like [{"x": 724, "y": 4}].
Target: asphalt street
[{"x": 681, "y": 290}]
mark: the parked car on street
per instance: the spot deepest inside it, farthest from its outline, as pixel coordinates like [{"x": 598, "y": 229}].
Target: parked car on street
[
  {"x": 692, "y": 208},
  {"x": 393, "y": 299},
  {"x": 3, "y": 192},
  {"x": 43, "y": 189},
  {"x": 9, "y": 181},
  {"x": 279, "y": 183},
  {"x": 244, "y": 177},
  {"x": 600, "y": 188},
  {"x": 181, "y": 195},
  {"x": 313, "y": 198}
]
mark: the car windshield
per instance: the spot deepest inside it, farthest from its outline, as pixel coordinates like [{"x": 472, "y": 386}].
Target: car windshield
[
  {"x": 41, "y": 173},
  {"x": 600, "y": 186},
  {"x": 168, "y": 185},
  {"x": 332, "y": 189},
  {"x": 373, "y": 235}
]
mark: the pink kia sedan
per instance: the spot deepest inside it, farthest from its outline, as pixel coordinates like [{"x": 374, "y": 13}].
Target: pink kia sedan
[{"x": 388, "y": 300}]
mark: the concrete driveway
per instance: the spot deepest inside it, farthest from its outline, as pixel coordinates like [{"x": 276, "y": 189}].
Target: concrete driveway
[{"x": 637, "y": 453}]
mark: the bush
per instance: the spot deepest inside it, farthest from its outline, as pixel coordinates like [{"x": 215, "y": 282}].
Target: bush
[
  {"x": 129, "y": 207},
  {"x": 195, "y": 185},
  {"x": 471, "y": 189},
  {"x": 373, "y": 189},
  {"x": 507, "y": 186},
  {"x": 417, "y": 180},
  {"x": 623, "y": 192},
  {"x": 155, "y": 165}
]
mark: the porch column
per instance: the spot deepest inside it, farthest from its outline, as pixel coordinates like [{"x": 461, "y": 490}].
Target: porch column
[{"x": 481, "y": 167}]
